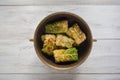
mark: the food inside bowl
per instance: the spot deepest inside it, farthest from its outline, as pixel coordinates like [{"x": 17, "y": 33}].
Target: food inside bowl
[
  {"x": 63, "y": 55},
  {"x": 60, "y": 42},
  {"x": 57, "y": 27},
  {"x": 64, "y": 41},
  {"x": 76, "y": 33},
  {"x": 49, "y": 43}
]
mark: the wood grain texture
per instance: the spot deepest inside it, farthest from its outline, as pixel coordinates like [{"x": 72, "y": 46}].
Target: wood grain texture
[
  {"x": 21, "y": 21},
  {"x": 18, "y": 59},
  {"x": 59, "y": 2},
  {"x": 22, "y": 58},
  {"x": 60, "y": 76}
]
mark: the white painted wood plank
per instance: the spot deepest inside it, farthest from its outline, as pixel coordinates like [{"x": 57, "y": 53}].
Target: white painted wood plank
[
  {"x": 19, "y": 22},
  {"x": 59, "y": 2},
  {"x": 17, "y": 25},
  {"x": 18, "y": 56},
  {"x": 60, "y": 77}
]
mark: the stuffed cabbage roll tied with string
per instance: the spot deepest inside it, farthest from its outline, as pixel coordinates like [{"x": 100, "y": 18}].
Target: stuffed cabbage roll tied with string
[
  {"x": 49, "y": 43},
  {"x": 64, "y": 41},
  {"x": 57, "y": 27},
  {"x": 62, "y": 55},
  {"x": 76, "y": 33}
]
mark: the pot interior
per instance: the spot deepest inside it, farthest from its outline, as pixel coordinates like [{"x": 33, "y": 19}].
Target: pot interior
[{"x": 83, "y": 49}]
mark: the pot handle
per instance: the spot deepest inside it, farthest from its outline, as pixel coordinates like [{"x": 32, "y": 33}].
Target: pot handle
[
  {"x": 94, "y": 40},
  {"x": 32, "y": 40}
]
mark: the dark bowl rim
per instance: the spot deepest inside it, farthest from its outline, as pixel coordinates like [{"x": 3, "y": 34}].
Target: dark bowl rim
[{"x": 65, "y": 68}]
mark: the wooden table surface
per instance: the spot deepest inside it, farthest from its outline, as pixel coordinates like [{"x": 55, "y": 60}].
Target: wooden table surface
[{"x": 19, "y": 19}]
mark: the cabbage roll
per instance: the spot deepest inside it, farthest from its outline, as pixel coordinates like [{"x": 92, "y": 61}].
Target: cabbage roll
[
  {"x": 57, "y": 27},
  {"x": 76, "y": 33},
  {"x": 64, "y": 41},
  {"x": 49, "y": 43},
  {"x": 63, "y": 55}
]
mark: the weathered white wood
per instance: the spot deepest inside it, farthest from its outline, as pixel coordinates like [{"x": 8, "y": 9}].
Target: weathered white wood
[
  {"x": 59, "y": 2},
  {"x": 18, "y": 56},
  {"x": 60, "y": 77},
  {"x": 19, "y": 22}
]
